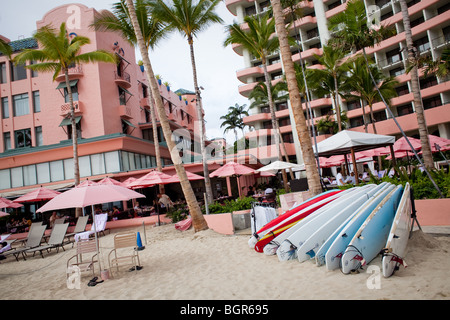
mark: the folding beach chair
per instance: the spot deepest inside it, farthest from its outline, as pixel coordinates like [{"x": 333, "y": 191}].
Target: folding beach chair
[
  {"x": 56, "y": 240},
  {"x": 85, "y": 257},
  {"x": 34, "y": 240},
  {"x": 22, "y": 241},
  {"x": 125, "y": 248}
]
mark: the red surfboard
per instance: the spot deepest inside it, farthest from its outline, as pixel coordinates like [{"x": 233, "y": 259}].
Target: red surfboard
[{"x": 290, "y": 217}]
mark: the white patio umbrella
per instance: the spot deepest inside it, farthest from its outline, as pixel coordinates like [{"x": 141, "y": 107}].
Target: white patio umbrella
[
  {"x": 281, "y": 165},
  {"x": 90, "y": 195}
]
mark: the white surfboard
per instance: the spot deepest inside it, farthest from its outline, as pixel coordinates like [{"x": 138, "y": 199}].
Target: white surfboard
[
  {"x": 271, "y": 247},
  {"x": 312, "y": 244},
  {"x": 287, "y": 249},
  {"x": 371, "y": 237},
  {"x": 330, "y": 253},
  {"x": 260, "y": 234},
  {"x": 288, "y": 252},
  {"x": 394, "y": 251}
]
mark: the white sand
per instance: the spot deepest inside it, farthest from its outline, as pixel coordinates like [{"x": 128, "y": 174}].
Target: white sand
[{"x": 207, "y": 265}]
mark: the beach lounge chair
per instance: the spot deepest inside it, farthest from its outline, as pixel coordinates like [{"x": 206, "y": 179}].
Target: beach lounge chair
[
  {"x": 23, "y": 240},
  {"x": 125, "y": 249},
  {"x": 85, "y": 257},
  {"x": 79, "y": 227},
  {"x": 56, "y": 240},
  {"x": 34, "y": 240},
  {"x": 100, "y": 223}
]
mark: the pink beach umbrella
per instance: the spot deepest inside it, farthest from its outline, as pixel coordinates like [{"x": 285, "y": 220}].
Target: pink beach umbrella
[
  {"x": 402, "y": 145},
  {"x": 89, "y": 196},
  {"x": 86, "y": 183},
  {"x": 444, "y": 144},
  {"x": 152, "y": 178},
  {"x": 6, "y": 203},
  {"x": 39, "y": 194},
  {"x": 233, "y": 169},
  {"x": 3, "y": 214},
  {"x": 108, "y": 180},
  {"x": 191, "y": 177},
  {"x": 128, "y": 181}
]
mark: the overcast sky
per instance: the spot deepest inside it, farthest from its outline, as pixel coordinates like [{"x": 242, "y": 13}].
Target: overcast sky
[{"x": 216, "y": 65}]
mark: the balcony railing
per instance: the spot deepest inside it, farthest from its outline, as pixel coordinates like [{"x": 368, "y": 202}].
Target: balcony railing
[
  {"x": 122, "y": 79},
  {"x": 65, "y": 108}
]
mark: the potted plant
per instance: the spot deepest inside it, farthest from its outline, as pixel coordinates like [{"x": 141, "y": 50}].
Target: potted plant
[
  {"x": 167, "y": 84},
  {"x": 141, "y": 65},
  {"x": 179, "y": 95},
  {"x": 159, "y": 78},
  {"x": 185, "y": 101}
]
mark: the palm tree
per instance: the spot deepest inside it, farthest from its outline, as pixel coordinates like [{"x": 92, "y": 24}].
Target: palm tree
[
  {"x": 5, "y": 48},
  {"x": 440, "y": 67},
  {"x": 312, "y": 172},
  {"x": 260, "y": 41},
  {"x": 331, "y": 77},
  {"x": 58, "y": 52},
  {"x": 415, "y": 88},
  {"x": 198, "y": 220},
  {"x": 189, "y": 18},
  {"x": 152, "y": 31},
  {"x": 239, "y": 111},
  {"x": 361, "y": 82}
]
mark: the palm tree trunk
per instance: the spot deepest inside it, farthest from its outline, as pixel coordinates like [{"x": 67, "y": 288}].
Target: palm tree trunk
[
  {"x": 209, "y": 194},
  {"x": 312, "y": 173},
  {"x": 336, "y": 102},
  {"x": 76, "y": 166},
  {"x": 198, "y": 220},
  {"x": 155, "y": 132},
  {"x": 415, "y": 87}
]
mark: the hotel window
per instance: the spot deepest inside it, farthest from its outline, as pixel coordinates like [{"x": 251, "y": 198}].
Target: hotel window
[
  {"x": 352, "y": 105},
  {"x": 428, "y": 82},
  {"x": 281, "y": 106},
  {"x": 265, "y": 109},
  {"x": 74, "y": 90},
  {"x": 393, "y": 56},
  {"x": 39, "y": 137},
  {"x": 22, "y": 138},
  {"x": 7, "y": 140},
  {"x": 284, "y": 122},
  {"x": 313, "y": 33},
  {"x": 5, "y": 108},
  {"x": 3, "y": 72},
  {"x": 402, "y": 90},
  {"x": 288, "y": 137},
  {"x": 446, "y": 32},
  {"x": 356, "y": 122},
  {"x": 36, "y": 102},
  {"x": 397, "y": 72},
  {"x": 380, "y": 116},
  {"x": 18, "y": 72},
  {"x": 250, "y": 11},
  {"x": 404, "y": 110},
  {"x": 422, "y": 44},
  {"x": 20, "y": 105},
  {"x": 432, "y": 102}
]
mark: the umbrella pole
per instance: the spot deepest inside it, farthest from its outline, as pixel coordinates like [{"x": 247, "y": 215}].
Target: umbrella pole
[{"x": 96, "y": 238}]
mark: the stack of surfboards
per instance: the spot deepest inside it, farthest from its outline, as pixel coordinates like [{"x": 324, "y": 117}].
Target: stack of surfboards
[{"x": 342, "y": 229}]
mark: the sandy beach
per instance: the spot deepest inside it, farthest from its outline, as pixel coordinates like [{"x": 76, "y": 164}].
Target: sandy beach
[{"x": 209, "y": 266}]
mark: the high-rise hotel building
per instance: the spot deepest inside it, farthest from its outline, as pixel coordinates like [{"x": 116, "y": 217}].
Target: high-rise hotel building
[
  {"x": 430, "y": 23},
  {"x": 111, "y": 108}
]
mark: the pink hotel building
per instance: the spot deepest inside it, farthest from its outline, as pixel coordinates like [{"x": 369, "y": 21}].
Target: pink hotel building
[
  {"x": 112, "y": 114},
  {"x": 430, "y": 22}
]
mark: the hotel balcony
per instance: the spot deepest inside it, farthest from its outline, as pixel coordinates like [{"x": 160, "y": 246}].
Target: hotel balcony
[
  {"x": 122, "y": 80},
  {"x": 125, "y": 112},
  {"x": 75, "y": 72},
  {"x": 65, "y": 108}
]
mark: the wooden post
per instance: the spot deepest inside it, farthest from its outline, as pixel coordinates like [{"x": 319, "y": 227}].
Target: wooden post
[{"x": 355, "y": 168}]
